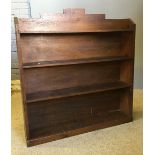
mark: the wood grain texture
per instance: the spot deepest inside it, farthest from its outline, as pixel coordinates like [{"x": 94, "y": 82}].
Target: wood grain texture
[
  {"x": 39, "y": 64},
  {"x": 74, "y": 91},
  {"x": 71, "y": 113},
  {"x": 19, "y": 49},
  {"x": 76, "y": 73},
  {"x": 68, "y": 46},
  {"x": 52, "y": 78},
  {"x": 112, "y": 119},
  {"x": 74, "y": 24}
]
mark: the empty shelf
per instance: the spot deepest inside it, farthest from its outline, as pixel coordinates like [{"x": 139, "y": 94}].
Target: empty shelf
[
  {"x": 74, "y": 61},
  {"x": 69, "y": 129},
  {"x": 73, "y": 91}
]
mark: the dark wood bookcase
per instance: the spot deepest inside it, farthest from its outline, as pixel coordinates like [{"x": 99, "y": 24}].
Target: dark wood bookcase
[{"x": 76, "y": 73}]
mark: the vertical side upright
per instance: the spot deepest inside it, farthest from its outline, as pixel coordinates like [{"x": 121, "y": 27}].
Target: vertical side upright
[
  {"x": 19, "y": 51},
  {"x": 132, "y": 67},
  {"x": 127, "y": 71}
]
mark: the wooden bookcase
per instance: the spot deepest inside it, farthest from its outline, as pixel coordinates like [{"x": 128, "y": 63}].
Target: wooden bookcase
[{"x": 76, "y": 73}]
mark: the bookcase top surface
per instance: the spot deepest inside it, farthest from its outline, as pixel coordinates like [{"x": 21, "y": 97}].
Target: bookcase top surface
[{"x": 72, "y": 21}]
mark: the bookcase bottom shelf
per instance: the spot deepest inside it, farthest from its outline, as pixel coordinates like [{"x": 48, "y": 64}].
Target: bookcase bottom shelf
[
  {"x": 59, "y": 118},
  {"x": 99, "y": 122}
]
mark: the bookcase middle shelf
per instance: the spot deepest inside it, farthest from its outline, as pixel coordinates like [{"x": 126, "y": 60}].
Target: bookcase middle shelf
[
  {"x": 74, "y": 91},
  {"x": 74, "y": 61}
]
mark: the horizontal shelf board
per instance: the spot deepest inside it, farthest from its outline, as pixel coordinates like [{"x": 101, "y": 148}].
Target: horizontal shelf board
[
  {"x": 74, "y": 61},
  {"x": 66, "y": 129},
  {"x": 65, "y": 32},
  {"x": 74, "y": 91}
]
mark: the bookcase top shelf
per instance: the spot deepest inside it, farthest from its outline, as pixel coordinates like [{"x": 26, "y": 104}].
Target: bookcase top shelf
[{"x": 64, "y": 23}]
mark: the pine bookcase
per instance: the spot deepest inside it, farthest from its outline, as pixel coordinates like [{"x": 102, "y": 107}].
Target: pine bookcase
[{"x": 76, "y": 73}]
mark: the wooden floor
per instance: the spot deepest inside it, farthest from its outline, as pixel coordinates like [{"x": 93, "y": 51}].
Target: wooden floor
[{"x": 110, "y": 141}]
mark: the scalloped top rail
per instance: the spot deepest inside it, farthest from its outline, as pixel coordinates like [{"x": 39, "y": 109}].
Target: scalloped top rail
[{"x": 73, "y": 21}]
